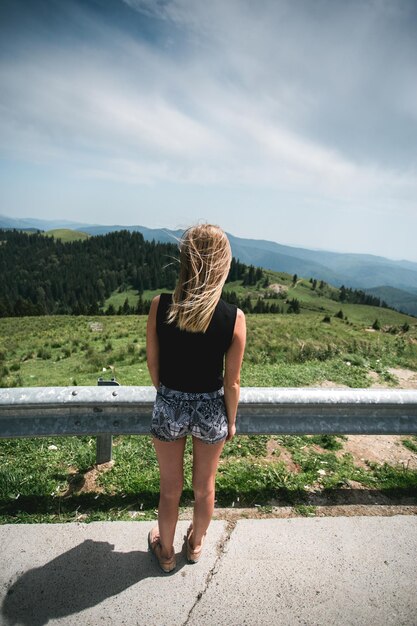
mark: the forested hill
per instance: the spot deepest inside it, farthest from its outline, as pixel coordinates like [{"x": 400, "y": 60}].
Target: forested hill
[{"x": 42, "y": 275}]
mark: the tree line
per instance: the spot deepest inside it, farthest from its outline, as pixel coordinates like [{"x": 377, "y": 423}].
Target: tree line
[
  {"x": 346, "y": 294},
  {"x": 357, "y": 296},
  {"x": 40, "y": 275}
]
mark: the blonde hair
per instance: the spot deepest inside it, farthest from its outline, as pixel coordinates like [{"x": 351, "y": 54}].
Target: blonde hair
[{"x": 205, "y": 258}]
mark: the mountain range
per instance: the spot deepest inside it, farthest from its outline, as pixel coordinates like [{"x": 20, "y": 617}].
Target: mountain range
[{"x": 392, "y": 281}]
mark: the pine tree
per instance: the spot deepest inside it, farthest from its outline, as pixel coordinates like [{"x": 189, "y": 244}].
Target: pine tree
[{"x": 294, "y": 306}]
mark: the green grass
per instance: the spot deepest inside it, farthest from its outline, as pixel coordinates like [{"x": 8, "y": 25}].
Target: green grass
[
  {"x": 282, "y": 350},
  {"x": 305, "y": 510},
  {"x": 60, "y": 351},
  {"x": 118, "y": 298},
  {"x": 411, "y": 444},
  {"x": 42, "y": 479},
  {"x": 39, "y": 483},
  {"x": 66, "y": 234}
]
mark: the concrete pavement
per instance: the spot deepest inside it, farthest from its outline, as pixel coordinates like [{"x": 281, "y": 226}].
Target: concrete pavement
[{"x": 334, "y": 570}]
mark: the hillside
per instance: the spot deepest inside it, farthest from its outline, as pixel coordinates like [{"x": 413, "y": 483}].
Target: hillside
[
  {"x": 311, "y": 339},
  {"x": 46, "y": 275},
  {"x": 42, "y": 275},
  {"x": 120, "y": 272},
  {"x": 398, "y": 279},
  {"x": 66, "y": 234},
  {"x": 323, "y": 300},
  {"x": 360, "y": 271},
  {"x": 402, "y": 300}
]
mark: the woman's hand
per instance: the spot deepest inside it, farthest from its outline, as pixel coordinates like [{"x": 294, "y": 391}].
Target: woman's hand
[{"x": 231, "y": 433}]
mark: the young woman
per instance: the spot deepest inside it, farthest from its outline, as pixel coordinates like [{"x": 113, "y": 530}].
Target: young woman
[{"x": 195, "y": 346}]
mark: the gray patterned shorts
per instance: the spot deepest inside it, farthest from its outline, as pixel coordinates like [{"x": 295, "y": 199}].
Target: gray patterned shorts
[{"x": 177, "y": 414}]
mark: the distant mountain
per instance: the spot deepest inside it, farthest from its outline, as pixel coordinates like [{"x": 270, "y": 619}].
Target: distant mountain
[
  {"x": 33, "y": 223},
  {"x": 356, "y": 270},
  {"x": 157, "y": 234},
  {"x": 403, "y": 301},
  {"x": 360, "y": 271}
]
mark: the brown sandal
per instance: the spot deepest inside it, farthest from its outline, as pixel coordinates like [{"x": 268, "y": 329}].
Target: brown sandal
[
  {"x": 193, "y": 555},
  {"x": 166, "y": 564}
]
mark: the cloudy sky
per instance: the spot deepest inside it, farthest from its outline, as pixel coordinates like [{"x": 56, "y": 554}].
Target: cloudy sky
[{"x": 288, "y": 120}]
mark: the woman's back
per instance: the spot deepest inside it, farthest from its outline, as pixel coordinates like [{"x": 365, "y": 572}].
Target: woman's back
[{"x": 191, "y": 361}]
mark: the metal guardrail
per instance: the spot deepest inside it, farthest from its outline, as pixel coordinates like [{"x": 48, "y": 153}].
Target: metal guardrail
[{"x": 104, "y": 411}]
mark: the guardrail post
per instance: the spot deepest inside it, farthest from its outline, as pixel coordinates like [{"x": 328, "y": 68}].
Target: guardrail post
[{"x": 104, "y": 442}]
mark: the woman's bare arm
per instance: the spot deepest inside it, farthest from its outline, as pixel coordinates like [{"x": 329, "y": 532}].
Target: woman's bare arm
[
  {"x": 233, "y": 364},
  {"x": 152, "y": 343}
]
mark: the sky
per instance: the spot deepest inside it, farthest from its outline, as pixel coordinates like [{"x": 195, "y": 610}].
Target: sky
[{"x": 288, "y": 120}]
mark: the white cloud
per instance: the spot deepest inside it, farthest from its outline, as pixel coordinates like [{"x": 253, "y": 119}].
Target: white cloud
[{"x": 299, "y": 97}]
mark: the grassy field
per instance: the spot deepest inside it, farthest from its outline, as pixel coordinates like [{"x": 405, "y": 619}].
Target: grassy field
[
  {"x": 66, "y": 234},
  {"x": 54, "y": 479},
  {"x": 282, "y": 350}
]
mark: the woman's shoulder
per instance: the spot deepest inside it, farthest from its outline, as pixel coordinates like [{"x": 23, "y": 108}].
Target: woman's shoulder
[
  {"x": 227, "y": 305},
  {"x": 233, "y": 309},
  {"x": 240, "y": 314},
  {"x": 160, "y": 305},
  {"x": 239, "y": 331},
  {"x": 162, "y": 297}
]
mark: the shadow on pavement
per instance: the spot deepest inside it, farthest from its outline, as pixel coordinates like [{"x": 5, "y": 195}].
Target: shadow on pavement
[{"x": 77, "y": 579}]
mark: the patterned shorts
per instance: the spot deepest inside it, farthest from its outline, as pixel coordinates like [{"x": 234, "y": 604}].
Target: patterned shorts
[{"x": 177, "y": 414}]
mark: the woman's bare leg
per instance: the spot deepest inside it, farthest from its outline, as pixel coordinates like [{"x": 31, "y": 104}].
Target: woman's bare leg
[
  {"x": 170, "y": 457},
  {"x": 205, "y": 461}
]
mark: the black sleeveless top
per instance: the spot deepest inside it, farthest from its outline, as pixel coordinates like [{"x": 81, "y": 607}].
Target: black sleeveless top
[{"x": 193, "y": 362}]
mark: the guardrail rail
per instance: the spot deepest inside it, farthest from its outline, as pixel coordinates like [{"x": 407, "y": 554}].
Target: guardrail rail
[{"x": 104, "y": 411}]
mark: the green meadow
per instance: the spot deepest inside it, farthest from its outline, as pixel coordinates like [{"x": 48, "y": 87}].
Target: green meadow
[
  {"x": 54, "y": 479},
  {"x": 282, "y": 349},
  {"x": 66, "y": 234}
]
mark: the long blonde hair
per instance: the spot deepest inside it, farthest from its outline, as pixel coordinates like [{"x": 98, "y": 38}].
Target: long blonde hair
[{"x": 205, "y": 258}]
